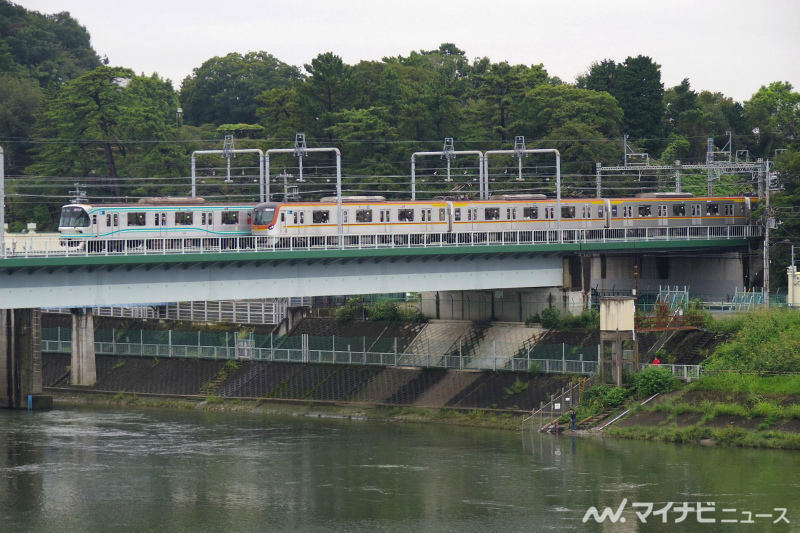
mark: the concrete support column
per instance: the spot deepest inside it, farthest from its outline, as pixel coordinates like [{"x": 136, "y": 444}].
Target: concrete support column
[
  {"x": 20, "y": 357},
  {"x": 84, "y": 371}
]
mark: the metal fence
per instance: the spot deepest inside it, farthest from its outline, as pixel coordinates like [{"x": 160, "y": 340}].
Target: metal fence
[
  {"x": 682, "y": 372},
  {"x": 46, "y": 247},
  {"x": 243, "y": 349}
]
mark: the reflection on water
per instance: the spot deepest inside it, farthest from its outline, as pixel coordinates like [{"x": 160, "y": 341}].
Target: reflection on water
[{"x": 82, "y": 470}]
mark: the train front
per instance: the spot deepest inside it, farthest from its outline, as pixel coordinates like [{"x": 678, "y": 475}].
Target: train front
[
  {"x": 265, "y": 219},
  {"x": 74, "y": 224}
]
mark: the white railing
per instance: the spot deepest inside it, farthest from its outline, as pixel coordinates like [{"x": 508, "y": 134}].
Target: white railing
[
  {"x": 32, "y": 246},
  {"x": 348, "y": 357},
  {"x": 682, "y": 372}
]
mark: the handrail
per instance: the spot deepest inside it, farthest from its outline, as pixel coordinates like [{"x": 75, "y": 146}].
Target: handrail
[
  {"x": 51, "y": 246},
  {"x": 295, "y": 355}
]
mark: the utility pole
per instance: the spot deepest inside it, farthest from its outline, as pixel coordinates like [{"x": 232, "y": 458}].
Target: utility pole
[{"x": 767, "y": 224}]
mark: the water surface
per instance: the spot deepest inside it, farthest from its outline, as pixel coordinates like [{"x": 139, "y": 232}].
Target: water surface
[{"x": 118, "y": 470}]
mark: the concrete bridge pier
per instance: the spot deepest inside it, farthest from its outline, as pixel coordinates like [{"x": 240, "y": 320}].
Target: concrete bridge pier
[
  {"x": 84, "y": 370},
  {"x": 21, "y": 360}
]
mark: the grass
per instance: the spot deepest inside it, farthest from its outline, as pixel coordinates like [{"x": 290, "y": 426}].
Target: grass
[
  {"x": 734, "y": 382},
  {"x": 726, "y": 437}
]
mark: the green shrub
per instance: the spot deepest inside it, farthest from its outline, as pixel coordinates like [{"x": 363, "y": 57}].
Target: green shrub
[
  {"x": 766, "y": 341},
  {"x": 517, "y": 387},
  {"x": 654, "y": 380},
  {"x": 384, "y": 311},
  {"x": 351, "y": 310},
  {"x": 603, "y": 397},
  {"x": 550, "y": 317}
]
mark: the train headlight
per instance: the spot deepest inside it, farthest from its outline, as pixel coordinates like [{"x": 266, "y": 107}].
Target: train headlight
[{"x": 271, "y": 227}]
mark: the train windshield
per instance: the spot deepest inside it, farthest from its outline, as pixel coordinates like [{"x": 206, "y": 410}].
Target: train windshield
[
  {"x": 73, "y": 217},
  {"x": 263, "y": 216}
]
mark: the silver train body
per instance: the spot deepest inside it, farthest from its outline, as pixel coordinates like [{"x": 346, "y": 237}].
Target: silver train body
[
  {"x": 375, "y": 215},
  {"x": 177, "y": 222},
  {"x": 174, "y": 221}
]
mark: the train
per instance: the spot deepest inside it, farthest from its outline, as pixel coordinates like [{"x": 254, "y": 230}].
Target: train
[{"x": 178, "y": 221}]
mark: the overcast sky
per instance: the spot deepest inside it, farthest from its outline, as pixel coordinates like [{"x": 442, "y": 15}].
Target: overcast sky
[{"x": 731, "y": 46}]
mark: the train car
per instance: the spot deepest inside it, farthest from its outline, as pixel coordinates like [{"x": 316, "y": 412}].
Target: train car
[
  {"x": 376, "y": 215},
  {"x": 170, "y": 222}
]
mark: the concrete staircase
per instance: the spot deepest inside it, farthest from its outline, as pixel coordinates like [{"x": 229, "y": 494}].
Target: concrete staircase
[
  {"x": 500, "y": 342},
  {"x": 451, "y": 384},
  {"x": 438, "y": 337}
]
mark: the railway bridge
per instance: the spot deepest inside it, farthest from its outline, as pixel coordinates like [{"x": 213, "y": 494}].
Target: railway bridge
[{"x": 32, "y": 277}]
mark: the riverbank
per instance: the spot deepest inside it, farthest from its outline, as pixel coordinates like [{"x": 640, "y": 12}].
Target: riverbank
[
  {"x": 732, "y": 409},
  {"x": 482, "y": 418}
]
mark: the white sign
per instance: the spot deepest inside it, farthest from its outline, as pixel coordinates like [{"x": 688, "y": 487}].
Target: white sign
[{"x": 557, "y": 406}]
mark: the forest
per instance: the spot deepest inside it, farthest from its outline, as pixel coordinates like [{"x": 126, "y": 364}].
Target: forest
[{"x": 68, "y": 117}]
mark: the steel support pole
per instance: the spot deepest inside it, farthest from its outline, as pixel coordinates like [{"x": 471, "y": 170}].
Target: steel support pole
[
  {"x": 338, "y": 174},
  {"x": 2, "y": 203},
  {"x": 194, "y": 188},
  {"x": 531, "y": 151},
  {"x": 442, "y": 153},
  {"x": 237, "y": 151}
]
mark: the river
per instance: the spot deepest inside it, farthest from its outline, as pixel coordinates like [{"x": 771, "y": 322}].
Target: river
[{"x": 170, "y": 471}]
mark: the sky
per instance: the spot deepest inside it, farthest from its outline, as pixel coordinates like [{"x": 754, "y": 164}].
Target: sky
[{"x": 729, "y": 46}]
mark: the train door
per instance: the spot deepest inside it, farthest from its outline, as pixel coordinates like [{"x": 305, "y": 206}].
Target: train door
[
  {"x": 605, "y": 212},
  {"x": 697, "y": 214},
  {"x": 449, "y": 215},
  {"x": 160, "y": 224},
  {"x": 661, "y": 211},
  {"x": 426, "y": 213},
  {"x": 627, "y": 215},
  {"x": 586, "y": 216}
]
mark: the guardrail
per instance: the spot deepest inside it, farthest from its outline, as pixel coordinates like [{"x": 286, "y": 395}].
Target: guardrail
[
  {"x": 349, "y": 357},
  {"x": 45, "y": 247},
  {"x": 682, "y": 372}
]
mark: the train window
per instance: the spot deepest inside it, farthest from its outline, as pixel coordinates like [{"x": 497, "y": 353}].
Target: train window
[
  {"x": 441, "y": 214},
  {"x": 94, "y": 220},
  {"x": 712, "y": 209},
  {"x": 295, "y": 217},
  {"x": 474, "y": 213},
  {"x": 344, "y": 216},
  {"x": 136, "y": 219},
  {"x": 457, "y": 214},
  {"x": 302, "y": 217},
  {"x": 320, "y": 217},
  {"x": 156, "y": 219},
  {"x": 695, "y": 210},
  {"x": 405, "y": 215},
  {"x": 283, "y": 217},
  {"x": 530, "y": 213},
  {"x": 163, "y": 219},
  {"x": 678, "y": 210},
  {"x": 644, "y": 211},
  {"x": 363, "y": 215},
  {"x": 385, "y": 215},
  {"x": 613, "y": 210},
  {"x": 600, "y": 211},
  {"x": 567, "y": 211},
  {"x": 426, "y": 215},
  {"x": 469, "y": 214},
  {"x": 203, "y": 219},
  {"x": 230, "y": 217},
  {"x": 491, "y": 213},
  {"x": 108, "y": 219},
  {"x": 728, "y": 209},
  {"x": 116, "y": 219}
]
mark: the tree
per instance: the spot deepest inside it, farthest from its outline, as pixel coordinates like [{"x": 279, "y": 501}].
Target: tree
[
  {"x": 501, "y": 90},
  {"x": 19, "y": 102},
  {"x": 638, "y": 89},
  {"x": 51, "y": 49},
  {"x": 327, "y": 90},
  {"x": 224, "y": 89},
  {"x": 101, "y": 117},
  {"x": 773, "y": 113},
  {"x": 548, "y": 107}
]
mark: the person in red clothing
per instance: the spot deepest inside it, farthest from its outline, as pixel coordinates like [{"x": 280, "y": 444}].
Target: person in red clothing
[{"x": 656, "y": 361}]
